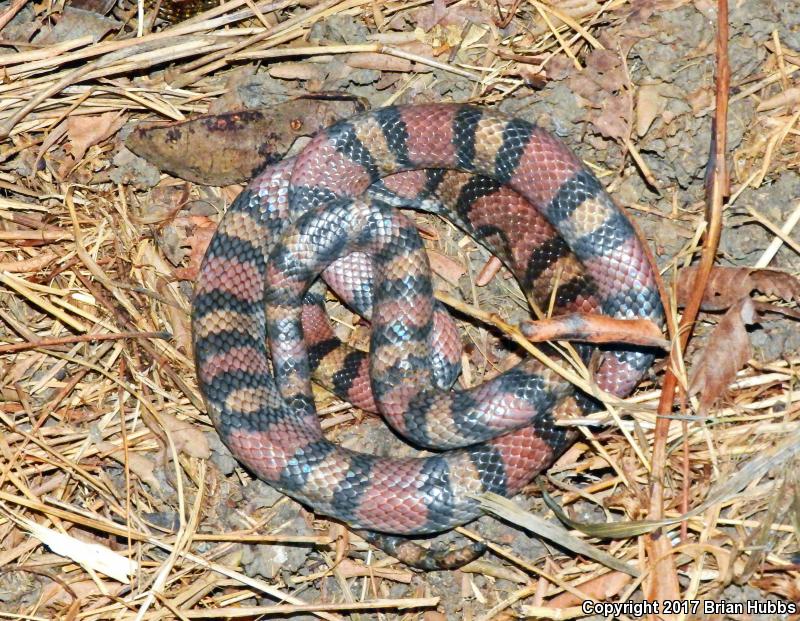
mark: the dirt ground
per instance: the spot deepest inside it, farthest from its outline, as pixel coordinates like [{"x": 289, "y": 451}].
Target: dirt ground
[{"x": 112, "y": 242}]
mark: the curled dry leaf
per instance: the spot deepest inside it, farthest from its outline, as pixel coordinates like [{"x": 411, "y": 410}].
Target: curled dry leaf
[
  {"x": 297, "y": 71},
  {"x": 141, "y": 466},
  {"x": 649, "y": 104},
  {"x": 86, "y": 131},
  {"x": 777, "y": 283},
  {"x": 603, "y": 86},
  {"x": 787, "y": 586},
  {"x": 188, "y": 439},
  {"x": 727, "y": 351},
  {"x": 379, "y": 62},
  {"x": 598, "y": 589},
  {"x": 727, "y": 285},
  {"x": 203, "y": 230},
  {"x": 54, "y": 594},
  {"x": 230, "y": 148},
  {"x": 180, "y": 327}
]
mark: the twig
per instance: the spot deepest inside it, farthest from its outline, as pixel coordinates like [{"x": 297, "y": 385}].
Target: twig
[
  {"x": 719, "y": 186},
  {"x": 80, "y": 338},
  {"x": 11, "y": 11}
]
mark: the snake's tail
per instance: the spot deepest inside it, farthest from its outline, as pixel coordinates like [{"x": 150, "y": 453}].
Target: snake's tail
[{"x": 414, "y": 555}]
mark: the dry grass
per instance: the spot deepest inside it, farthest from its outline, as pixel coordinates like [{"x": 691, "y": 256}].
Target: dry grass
[{"x": 108, "y": 504}]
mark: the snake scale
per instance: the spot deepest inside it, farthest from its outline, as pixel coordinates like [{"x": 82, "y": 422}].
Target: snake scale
[{"x": 260, "y": 331}]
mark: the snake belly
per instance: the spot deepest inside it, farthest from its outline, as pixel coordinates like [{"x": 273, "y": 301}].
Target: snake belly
[{"x": 269, "y": 420}]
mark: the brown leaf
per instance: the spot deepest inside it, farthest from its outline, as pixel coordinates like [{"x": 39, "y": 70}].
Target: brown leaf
[
  {"x": 727, "y": 285},
  {"x": 606, "y": 70},
  {"x": 351, "y": 569},
  {"x": 180, "y": 327},
  {"x": 598, "y": 589},
  {"x": 766, "y": 307},
  {"x": 84, "y": 132},
  {"x": 700, "y": 99},
  {"x": 73, "y": 24},
  {"x": 727, "y": 351},
  {"x": 85, "y": 590},
  {"x": 379, "y": 62},
  {"x": 188, "y": 438},
  {"x": 87, "y": 131},
  {"x": 612, "y": 122},
  {"x": 649, "y": 104},
  {"x": 229, "y": 148},
  {"x": 777, "y": 283},
  {"x": 197, "y": 241},
  {"x": 297, "y": 71},
  {"x": 139, "y": 465},
  {"x": 461, "y": 14}
]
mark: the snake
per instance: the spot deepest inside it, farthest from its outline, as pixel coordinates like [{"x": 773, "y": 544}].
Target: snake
[{"x": 260, "y": 331}]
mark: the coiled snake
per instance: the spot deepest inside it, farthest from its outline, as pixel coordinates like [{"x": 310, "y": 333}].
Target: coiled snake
[{"x": 522, "y": 194}]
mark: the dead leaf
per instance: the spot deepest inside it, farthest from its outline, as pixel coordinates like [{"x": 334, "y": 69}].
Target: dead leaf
[
  {"x": 180, "y": 327},
  {"x": 74, "y": 23},
  {"x": 297, "y": 71},
  {"x": 777, "y": 283},
  {"x": 198, "y": 240},
  {"x": 765, "y": 307},
  {"x": 428, "y": 17},
  {"x": 727, "y": 351},
  {"x": 379, "y": 62},
  {"x": 598, "y": 589},
  {"x": 230, "y": 148},
  {"x": 786, "y": 586},
  {"x": 86, "y": 131},
  {"x": 351, "y": 569},
  {"x": 101, "y": 7},
  {"x": 606, "y": 70},
  {"x": 649, "y": 105},
  {"x": 188, "y": 439},
  {"x": 700, "y": 99},
  {"x": 612, "y": 122},
  {"x": 54, "y": 593},
  {"x": 727, "y": 285},
  {"x": 141, "y": 466}
]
